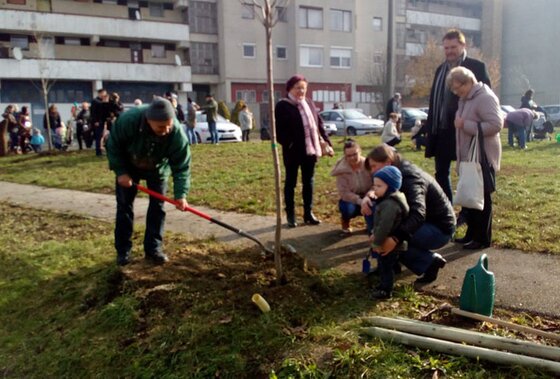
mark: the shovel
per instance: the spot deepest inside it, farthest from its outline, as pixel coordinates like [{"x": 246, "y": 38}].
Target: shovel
[{"x": 161, "y": 197}]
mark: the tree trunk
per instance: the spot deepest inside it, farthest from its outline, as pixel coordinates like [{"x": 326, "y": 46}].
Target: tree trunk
[{"x": 268, "y": 24}]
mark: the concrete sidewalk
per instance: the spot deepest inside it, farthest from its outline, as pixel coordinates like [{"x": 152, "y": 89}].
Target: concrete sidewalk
[{"x": 524, "y": 281}]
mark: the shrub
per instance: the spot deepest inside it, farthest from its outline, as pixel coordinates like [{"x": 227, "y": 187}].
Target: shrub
[
  {"x": 223, "y": 110},
  {"x": 235, "y": 112}
]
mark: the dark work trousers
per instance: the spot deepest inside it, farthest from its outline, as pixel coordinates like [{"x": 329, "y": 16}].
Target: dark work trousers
[
  {"x": 479, "y": 223},
  {"x": 80, "y": 134},
  {"x": 98, "y": 136},
  {"x": 307, "y": 165},
  {"x": 155, "y": 218},
  {"x": 443, "y": 175}
]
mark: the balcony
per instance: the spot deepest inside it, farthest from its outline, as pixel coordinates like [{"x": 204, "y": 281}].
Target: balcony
[
  {"x": 85, "y": 70},
  {"x": 25, "y": 22}
]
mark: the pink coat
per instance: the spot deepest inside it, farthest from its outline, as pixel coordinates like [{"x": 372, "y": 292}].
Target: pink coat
[
  {"x": 480, "y": 105},
  {"x": 352, "y": 185}
]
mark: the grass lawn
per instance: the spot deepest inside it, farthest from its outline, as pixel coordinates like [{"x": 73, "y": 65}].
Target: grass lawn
[
  {"x": 239, "y": 177},
  {"x": 66, "y": 311}
]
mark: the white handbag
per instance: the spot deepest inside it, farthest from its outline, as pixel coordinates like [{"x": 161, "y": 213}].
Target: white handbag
[{"x": 470, "y": 188}]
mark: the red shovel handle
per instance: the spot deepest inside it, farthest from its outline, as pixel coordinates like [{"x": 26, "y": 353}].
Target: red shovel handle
[{"x": 161, "y": 197}]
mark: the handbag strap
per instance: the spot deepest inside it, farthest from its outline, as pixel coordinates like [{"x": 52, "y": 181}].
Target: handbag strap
[
  {"x": 473, "y": 149},
  {"x": 481, "y": 143}
]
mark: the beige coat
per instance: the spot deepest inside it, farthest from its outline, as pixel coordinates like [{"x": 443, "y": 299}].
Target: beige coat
[
  {"x": 351, "y": 185},
  {"x": 480, "y": 105}
]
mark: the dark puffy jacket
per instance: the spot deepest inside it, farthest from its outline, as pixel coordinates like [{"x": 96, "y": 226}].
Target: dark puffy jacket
[{"x": 427, "y": 202}]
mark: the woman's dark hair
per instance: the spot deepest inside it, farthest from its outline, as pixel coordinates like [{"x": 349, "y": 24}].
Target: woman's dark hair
[
  {"x": 382, "y": 153},
  {"x": 293, "y": 80},
  {"x": 24, "y": 110},
  {"x": 350, "y": 143},
  {"x": 529, "y": 93}
]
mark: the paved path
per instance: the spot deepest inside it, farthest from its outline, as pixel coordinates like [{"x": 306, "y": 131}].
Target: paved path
[{"x": 524, "y": 281}]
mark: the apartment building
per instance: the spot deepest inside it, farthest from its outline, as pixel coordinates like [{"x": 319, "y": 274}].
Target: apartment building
[
  {"x": 338, "y": 45},
  {"x": 530, "y": 54},
  {"x": 417, "y": 21},
  {"x": 135, "y": 48}
]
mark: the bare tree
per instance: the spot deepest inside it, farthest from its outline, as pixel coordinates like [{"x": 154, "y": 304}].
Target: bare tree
[
  {"x": 268, "y": 13},
  {"x": 375, "y": 76},
  {"x": 44, "y": 52}
]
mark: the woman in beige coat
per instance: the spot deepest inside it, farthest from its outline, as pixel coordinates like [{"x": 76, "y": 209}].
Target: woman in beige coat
[
  {"x": 477, "y": 104},
  {"x": 353, "y": 181}
]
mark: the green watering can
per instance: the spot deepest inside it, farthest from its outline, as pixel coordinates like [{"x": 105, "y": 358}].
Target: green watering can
[{"x": 479, "y": 288}]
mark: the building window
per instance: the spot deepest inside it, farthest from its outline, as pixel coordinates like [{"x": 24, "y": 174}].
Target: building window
[
  {"x": 266, "y": 98},
  {"x": 341, "y": 58},
  {"x": 249, "y": 96},
  {"x": 19, "y": 41},
  {"x": 310, "y": 18},
  {"x": 156, "y": 9},
  {"x": 329, "y": 96},
  {"x": 281, "y": 52},
  {"x": 158, "y": 51},
  {"x": 311, "y": 56},
  {"x": 377, "y": 24},
  {"x": 400, "y": 35},
  {"x": 203, "y": 17},
  {"x": 341, "y": 20},
  {"x": 17, "y": 2},
  {"x": 248, "y": 11},
  {"x": 204, "y": 58},
  {"x": 249, "y": 50},
  {"x": 282, "y": 14}
]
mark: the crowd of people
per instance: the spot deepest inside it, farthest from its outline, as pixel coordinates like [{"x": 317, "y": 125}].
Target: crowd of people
[{"x": 408, "y": 213}]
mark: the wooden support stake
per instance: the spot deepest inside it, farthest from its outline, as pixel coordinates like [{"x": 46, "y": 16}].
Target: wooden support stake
[
  {"x": 475, "y": 352},
  {"x": 467, "y": 336},
  {"x": 506, "y": 324}
]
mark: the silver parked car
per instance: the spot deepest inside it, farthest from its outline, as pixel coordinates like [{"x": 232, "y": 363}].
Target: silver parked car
[
  {"x": 553, "y": 114},
  {"x": 352, "y": 122}
]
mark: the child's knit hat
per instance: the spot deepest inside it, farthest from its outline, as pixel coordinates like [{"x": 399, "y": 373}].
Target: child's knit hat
[{"x": 391, "y": 176}]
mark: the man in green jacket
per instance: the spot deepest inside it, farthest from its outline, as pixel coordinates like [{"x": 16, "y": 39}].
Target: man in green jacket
[
  {"x": 147, "y": 142},
  {"x": 211, "y": 111}
]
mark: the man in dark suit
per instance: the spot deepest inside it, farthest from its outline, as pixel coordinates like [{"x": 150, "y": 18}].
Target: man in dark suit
[{"x": 443, "y": 105}]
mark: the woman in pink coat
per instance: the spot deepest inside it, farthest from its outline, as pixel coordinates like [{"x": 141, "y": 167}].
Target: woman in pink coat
[{"x": 477, "y": 104}]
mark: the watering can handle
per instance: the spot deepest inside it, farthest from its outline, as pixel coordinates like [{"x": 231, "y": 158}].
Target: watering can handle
[{"x": 483, "y": 261}]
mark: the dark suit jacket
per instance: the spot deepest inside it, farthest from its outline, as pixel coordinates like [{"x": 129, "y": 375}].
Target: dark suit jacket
[
  {"x": 442, "y": 145},
  {"x": 290, "y": 132}
]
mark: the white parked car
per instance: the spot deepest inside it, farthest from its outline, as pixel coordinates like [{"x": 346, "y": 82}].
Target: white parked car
[
  {"x": 553, "y": 113},
  {"x": 330, "y": 128},
  {"x": 352, "y": 122},
  {"x": 227, "y": 131}
]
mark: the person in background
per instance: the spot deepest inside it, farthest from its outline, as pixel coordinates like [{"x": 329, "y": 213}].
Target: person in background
[
  {"x": 390, "y": 134},
  {"x": 54, "y": 121},
  {"x": 10, "y": 126},
  {"x": 25, "y": 129},
  {"x": 174, "y": 99},
  {"x": 246, "y": 121},
  {"x": 391, "y": 209},
  {"x": 430, "y": 223},
  {"x": 37, "y": 140},
  {"x": 299, "y": 130},
  {"x": 211, "y": 111},
  {"x": 147, "y": 143},
  {"x": 99, "y": 114},
  {"x": 83, "y": 129},
  {"x": 418, "y": 134},
  {"x": 393, "y": 106},
  {"x": 478, "y": 105},
  {"x": 527, "y": 102},
  {"x": 518, "y": 122},
  {"x": 353, "y": 181},
  {"x": 192, "y": 107},
  {"x": 443, "y": 105}
]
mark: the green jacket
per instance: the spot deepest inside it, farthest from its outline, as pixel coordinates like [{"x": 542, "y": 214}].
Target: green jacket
[
  {"x": 390, "y": 210},
  {"x": 211, "y": 110},
  {"x": 134, "y": 149}
]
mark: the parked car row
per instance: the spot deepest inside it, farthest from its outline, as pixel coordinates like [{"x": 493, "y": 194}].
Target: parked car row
[{"x": 352, "y": 122}]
